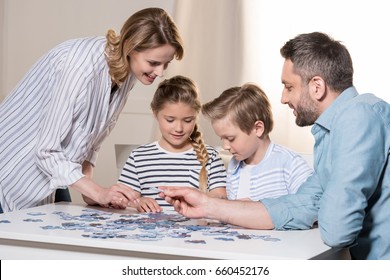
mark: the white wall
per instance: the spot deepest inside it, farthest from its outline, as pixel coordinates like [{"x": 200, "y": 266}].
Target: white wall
[
  {"x": 30, "y": 28},
  {"x": 227, "y": 42},
  {"x": 230, "y": 42},
  {"x": 363, "y": 26},
  {"x": 2, "y": 20}
]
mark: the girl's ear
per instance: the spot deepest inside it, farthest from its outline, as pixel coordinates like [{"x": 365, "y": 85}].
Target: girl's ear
[{"x": 259, "y": 128}]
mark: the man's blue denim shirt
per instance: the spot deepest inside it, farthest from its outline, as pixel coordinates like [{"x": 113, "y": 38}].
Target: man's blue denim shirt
[{"x": 349, "y": 192}]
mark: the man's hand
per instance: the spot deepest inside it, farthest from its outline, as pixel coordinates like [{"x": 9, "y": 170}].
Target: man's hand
[{"x": 187, "y": 201}]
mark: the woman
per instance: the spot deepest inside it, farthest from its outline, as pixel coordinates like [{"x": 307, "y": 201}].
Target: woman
[{"x": 53, "y": 123}]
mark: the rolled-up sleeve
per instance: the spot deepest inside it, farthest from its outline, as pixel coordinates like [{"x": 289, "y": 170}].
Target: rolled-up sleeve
[{"x": 296, "y": 211}]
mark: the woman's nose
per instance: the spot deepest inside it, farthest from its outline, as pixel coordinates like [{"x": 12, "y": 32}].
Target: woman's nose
[{"x": 159, "y": 70}]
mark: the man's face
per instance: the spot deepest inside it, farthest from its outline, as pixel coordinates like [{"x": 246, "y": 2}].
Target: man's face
[{"x": 298, "y": 96}]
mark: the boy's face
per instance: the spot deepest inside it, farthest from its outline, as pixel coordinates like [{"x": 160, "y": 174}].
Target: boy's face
[{"x": 241, "y": 145}]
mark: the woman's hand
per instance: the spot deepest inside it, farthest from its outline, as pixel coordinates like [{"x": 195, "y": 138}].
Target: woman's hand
[{"x": 118, "y": 196}]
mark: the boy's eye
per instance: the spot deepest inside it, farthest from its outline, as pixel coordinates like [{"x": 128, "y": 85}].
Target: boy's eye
[{"x": 230, "y": 139}]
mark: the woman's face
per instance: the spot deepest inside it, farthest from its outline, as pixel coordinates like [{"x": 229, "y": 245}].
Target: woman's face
[
  {"x": 151, "y": 63},
  {"x": 176, "y": 122}
]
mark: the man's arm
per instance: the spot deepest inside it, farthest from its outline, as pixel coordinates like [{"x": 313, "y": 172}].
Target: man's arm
[{"x": 194, "y": 204}]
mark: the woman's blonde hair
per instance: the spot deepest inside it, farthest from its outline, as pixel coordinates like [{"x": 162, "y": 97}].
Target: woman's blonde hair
[
  {"x": 182, "y": 89},
  {"x": 244, "y": 105},
  {"x": 146, "y": 29}
]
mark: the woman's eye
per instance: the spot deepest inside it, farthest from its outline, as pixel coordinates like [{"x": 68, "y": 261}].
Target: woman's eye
[{"x": 152, "y": 63}]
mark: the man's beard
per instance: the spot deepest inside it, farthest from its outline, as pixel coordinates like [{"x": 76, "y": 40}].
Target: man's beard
[{"x": 307, "y": 110}]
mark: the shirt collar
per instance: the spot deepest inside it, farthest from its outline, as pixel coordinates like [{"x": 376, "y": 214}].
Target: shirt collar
[
  {"x": 235, "y": 164},
  {"x": 326, "y": 118}
]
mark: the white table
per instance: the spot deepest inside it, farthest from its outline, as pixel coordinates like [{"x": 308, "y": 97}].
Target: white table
[{"x": 25, "y": 235}]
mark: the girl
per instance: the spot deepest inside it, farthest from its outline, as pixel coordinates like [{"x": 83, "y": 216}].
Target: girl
[{"x": 180, "y": 157}]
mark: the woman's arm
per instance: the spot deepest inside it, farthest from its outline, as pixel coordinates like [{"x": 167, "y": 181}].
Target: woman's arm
[{"x": 118, "y": 196}]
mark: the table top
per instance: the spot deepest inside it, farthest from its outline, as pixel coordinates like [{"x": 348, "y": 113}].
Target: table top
[{"x": 161, "y": 233}]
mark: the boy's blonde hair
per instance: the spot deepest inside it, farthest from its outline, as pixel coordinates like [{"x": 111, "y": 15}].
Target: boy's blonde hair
[
  {"x": 244, "y": 106},
  {"x": 182, "y": 89}
]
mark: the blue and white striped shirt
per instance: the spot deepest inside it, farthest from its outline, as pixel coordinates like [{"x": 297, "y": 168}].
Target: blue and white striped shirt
[
  {"x": 280, "y": 172},
  {"x": 150, "y": 166},
  {"x": 55, "y": 119}
]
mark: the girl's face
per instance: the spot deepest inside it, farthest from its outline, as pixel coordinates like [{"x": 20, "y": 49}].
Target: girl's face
[
  {"x": 151, "y": 63},
  {"x": 241, "y": 145},
  {"x": 176, "y": 122}
]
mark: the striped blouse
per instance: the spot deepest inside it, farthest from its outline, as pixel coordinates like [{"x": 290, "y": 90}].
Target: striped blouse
[
  {"x": 281, "y": 172},
  {"x": 55, "y": 119},
  {"x": 150, "y": 166}
]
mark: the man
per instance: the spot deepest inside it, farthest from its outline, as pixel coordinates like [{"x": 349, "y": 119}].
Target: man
[{"x": 349, "y": 192}]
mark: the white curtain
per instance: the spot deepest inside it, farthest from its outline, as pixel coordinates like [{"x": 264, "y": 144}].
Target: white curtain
[
  {"x": 213, "y": 39},
  {"x": 229, "y": 42},
  {"x": 223, "y": 48}
]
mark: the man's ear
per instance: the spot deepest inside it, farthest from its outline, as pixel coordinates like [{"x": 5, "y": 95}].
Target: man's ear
[
  {"x": 318, "y": 88},
  {"x": 259, "y": 128}
]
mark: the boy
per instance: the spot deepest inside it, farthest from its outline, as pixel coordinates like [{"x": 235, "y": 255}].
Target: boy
[{"x": 242, "y": 118}]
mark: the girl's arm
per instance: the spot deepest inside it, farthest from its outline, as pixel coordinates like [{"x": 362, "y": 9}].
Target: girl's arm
[{"x": 218, "y": 193}]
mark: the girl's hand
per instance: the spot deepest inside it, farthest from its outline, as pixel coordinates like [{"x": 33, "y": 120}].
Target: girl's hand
[{"x": 147, "y": 204}]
